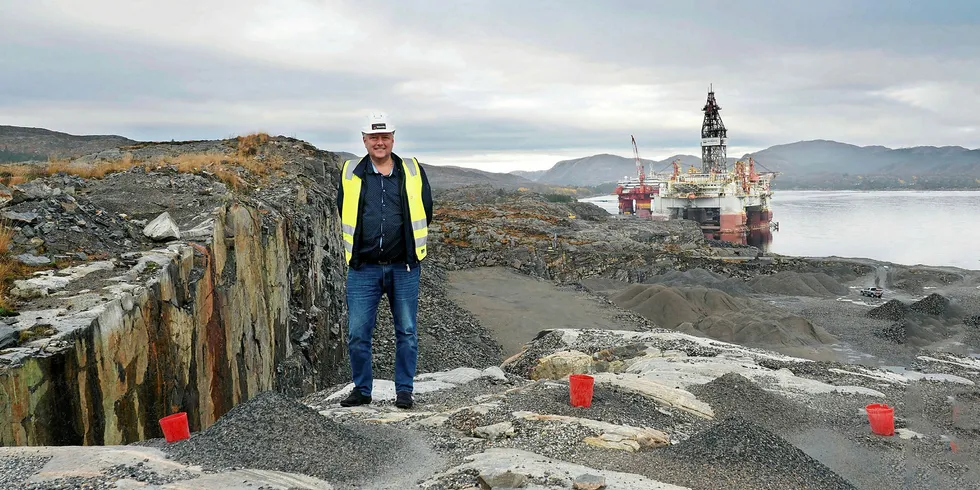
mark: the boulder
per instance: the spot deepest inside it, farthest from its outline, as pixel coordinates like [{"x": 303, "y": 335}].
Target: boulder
[
  {"x": 504, "y": 479},
  {"x": 162, "y": 228},
  {"x": 561, "y": 364},
  {"x": 589, "y": 482},
  {"x": 27, "y": 217},
  {"x": 31, "y": 259},
  {"x": 495, "y": 431},
  {"x": 8, "y": 338}
]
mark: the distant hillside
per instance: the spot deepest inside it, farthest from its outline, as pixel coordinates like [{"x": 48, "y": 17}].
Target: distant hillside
[
  {"x": 445, "y": 176},
  {"x": 821, "y": 156},
  {"x": 21, "y": 144},
  {"x": 604, "y": 168},
  {"x": 818, "y": 164},
  {"x": 532, "y": 175},
  {"x": 833, "y": 165},
  {"x": 344, "y": 156}
]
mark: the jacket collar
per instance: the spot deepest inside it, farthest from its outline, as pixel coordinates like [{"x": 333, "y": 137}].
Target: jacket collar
[{"x": 362, "y": 167}]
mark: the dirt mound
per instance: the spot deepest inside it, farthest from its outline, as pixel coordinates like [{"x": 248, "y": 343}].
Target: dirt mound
[
  {"x": 893, "y": 310},
  {"x": 754, "y": 456},
  {"x": 735, "y": 395},
  {"x": 272, "y": 432},
  {"x": 700, "y": 277},
  {"x": 792, "y": 283},
  {"x": 715, "y": 314}
]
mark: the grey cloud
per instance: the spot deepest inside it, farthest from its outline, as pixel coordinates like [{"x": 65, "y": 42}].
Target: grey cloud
[
  {"x": 64, "y": 68},
  {"x": 784, "y": 71}
]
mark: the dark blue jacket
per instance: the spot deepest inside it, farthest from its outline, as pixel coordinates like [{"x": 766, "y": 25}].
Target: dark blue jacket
[{"x": 408, "y": 240}]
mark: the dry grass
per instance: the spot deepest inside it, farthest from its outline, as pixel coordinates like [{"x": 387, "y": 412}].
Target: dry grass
[
  {"x": 8, "y": 268},
  {"x": 229, "y": 168},
  {"x": 249, "y": 145}
]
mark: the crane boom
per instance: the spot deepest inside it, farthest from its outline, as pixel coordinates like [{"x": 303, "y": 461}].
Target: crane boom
[{"x": 639, "y": 163}]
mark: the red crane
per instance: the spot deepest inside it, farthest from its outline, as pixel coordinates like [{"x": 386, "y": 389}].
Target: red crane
[
  {"x": 639, "y": 163},
  {"x": 636, "y": 199}
]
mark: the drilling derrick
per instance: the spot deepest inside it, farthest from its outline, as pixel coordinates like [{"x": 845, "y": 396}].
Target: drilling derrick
[{"x": 714, "y": 138}]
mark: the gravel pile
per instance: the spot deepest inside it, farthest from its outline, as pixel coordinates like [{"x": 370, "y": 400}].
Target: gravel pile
[
  {"x": 973, "y": 321},
  {"x": 274, "y": 433},
  {"x": 934, "y": 304},
  {"x": 736, "y": 395},
  {"x": 895, "y": 332},
  {"x": 739, "y": 450},
  {"x": 893, "y": 310}
]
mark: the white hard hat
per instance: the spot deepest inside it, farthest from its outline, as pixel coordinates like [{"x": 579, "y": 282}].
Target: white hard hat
[{"x": 378, "y": 122}]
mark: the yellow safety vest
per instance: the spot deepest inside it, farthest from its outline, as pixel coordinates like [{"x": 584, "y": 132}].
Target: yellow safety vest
[{"x": 416, "y": 209}]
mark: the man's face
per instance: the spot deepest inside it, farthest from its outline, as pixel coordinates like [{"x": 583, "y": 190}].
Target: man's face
[{"x": 379, "y": 145}]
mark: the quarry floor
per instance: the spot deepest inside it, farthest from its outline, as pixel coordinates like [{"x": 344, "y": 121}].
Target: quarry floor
[{"x": 515, "y": 309}]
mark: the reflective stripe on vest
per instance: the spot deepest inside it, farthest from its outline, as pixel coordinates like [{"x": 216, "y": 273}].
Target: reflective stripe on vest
[{"x": 416, "y": 209}]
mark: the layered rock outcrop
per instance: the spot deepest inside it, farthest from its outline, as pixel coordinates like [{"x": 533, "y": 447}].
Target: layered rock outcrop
[{"x": 251, "y": 301}]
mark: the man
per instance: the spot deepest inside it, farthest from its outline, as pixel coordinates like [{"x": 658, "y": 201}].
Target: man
[{"x": 385, "y": 205}]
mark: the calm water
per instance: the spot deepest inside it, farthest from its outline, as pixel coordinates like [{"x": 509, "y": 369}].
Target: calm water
[{"x": 905, "y": 227}]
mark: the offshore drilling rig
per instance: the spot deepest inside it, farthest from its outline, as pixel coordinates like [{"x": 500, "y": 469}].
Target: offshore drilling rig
[{"x": 729, "y": 204}]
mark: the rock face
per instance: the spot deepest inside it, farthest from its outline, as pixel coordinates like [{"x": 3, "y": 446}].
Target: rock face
[{"x": 198, "y": 327}]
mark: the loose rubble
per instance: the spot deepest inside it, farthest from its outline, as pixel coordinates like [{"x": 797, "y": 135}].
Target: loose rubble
[
  {"x": 736, "y": 450},
  {"x": 262, "y": 433}
]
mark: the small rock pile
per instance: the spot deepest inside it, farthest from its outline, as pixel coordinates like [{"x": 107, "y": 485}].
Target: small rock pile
[
  {"x": 896, "y": 332},
  {"x": 272, "y": 432},
  {"x": 736, "y": 395},
  {"x": 934, "y": 304},
  {"x": 736, "y": 450},
  {"x": 893, "y": 310}
]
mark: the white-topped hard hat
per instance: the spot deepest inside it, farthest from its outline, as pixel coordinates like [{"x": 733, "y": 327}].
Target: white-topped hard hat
[{"x": 378, "y": 122}]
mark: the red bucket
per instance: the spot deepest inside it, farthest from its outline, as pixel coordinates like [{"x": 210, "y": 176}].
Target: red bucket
[
  {"x": 580, "y": 389},
  {"x": 882, "y": 419},
  {"x": 175, "y": 427}
]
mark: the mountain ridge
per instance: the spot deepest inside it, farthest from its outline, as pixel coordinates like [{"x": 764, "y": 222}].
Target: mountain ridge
[
  {"x": 817, "y": 163},
  {"x": 806, "y": 163}
]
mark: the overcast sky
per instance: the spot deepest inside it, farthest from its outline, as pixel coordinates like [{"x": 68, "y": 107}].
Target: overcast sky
[{"x": 498, "y": 84}]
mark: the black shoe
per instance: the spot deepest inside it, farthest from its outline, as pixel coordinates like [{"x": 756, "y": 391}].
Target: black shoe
[
  {"x": 355, "y": 398},
  {"x": 404, "y": 399}
]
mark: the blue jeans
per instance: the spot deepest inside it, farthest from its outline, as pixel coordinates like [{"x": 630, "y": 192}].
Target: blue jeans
[{"x": 364, "y": 289}]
